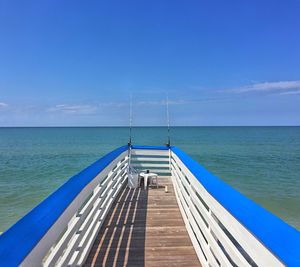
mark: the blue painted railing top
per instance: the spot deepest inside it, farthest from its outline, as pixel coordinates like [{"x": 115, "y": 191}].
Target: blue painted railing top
[
  {"x": 17, "y": 242},
  {"x": 279, "y": 237},
  {"x": 150, "y": 147}
]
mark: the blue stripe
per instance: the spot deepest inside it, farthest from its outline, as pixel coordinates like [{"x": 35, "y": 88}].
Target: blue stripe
[
  {"x": 279, "y": 237},
  {"x": 17, "y": 242}
]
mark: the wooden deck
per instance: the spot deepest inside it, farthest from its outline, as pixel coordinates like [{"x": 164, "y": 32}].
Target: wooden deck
[{"x": 144, "y": 228}]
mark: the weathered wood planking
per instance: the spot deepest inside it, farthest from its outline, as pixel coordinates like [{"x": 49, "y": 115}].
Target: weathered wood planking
[{"x": 144, "y": 228}]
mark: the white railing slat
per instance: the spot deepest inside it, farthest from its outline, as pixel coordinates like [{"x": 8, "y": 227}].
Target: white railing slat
[
  {"x": 150, "y": 165},
  {"x": 149, "y": 152},
  {"x": 161, "y": 160}
]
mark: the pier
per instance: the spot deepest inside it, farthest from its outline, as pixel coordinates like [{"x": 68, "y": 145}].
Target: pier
[
  {"x": 95, "y": 219},
  {"x": 144, "y": 228}
]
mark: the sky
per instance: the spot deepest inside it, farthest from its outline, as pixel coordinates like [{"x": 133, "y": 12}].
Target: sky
[{"x": 78, "y": 63}]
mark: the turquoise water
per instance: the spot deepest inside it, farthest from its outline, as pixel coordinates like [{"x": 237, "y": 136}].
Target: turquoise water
[{"x": 261, "y": 162}]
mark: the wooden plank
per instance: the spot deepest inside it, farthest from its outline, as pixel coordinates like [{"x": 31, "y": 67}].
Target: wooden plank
[{"x": 144, "y": 228}]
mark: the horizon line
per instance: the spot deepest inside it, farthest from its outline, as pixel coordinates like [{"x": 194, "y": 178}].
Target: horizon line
[{"x": 147, "y": 126}]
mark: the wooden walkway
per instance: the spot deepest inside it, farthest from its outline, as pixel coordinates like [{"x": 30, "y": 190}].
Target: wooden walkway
[{"x": 144, "y": 228}]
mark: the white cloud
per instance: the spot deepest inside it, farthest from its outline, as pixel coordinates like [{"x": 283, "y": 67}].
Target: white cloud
[
  {"x": 85, "y": 109},
  {"x": 74, "y": 109},
  {"x": 297, "y": 92},
  {"x": 281, "y": 87},
  {"x": 3, "y": 105}
]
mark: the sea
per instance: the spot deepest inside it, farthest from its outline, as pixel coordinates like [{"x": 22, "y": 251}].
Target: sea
[{"x": 263, "y": 163}]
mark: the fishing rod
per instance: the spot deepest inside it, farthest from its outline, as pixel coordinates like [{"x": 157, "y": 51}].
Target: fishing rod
[
  {"x": 168, "y": 120},
  {"x": 130, "y": 121}
]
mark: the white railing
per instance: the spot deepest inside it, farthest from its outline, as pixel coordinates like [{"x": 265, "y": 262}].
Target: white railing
[
  {"x": 218, "y": 238},
  {"x": 75, "y": 242},
  {"x": 154, "y": 160}
]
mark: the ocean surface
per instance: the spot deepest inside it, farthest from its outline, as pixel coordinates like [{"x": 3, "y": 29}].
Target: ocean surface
[{"x": 261, "y": 162}]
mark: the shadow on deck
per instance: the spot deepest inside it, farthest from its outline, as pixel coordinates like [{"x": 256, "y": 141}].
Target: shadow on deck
[{"x": 143, "y": 228}]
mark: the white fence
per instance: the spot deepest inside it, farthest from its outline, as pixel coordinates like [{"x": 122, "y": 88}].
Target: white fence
[
  {"x": 154, "y": 160},
  {"x": 218, "y": 238},
  {"x": 76, "y": 236}
]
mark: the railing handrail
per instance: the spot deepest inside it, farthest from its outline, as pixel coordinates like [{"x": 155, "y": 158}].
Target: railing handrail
[
  {"x": 19, "y": 240},
  {"x": 280, "y": 238}
]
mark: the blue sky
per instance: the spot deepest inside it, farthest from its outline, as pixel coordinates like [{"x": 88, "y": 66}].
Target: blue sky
[{"x": 75, "y": 63}]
